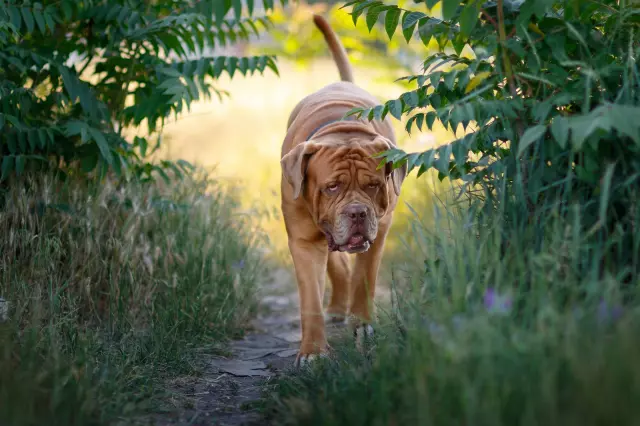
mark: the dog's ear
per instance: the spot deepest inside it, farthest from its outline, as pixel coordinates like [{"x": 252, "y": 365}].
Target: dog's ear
[
  {"x": 294, "y": 165},
  {"x": 397, "y": 175}
]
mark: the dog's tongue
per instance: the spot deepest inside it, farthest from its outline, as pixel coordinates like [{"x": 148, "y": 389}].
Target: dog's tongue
[{"x": 356, "y": 240}]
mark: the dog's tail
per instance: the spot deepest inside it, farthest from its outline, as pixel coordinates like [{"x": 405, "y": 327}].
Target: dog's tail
[{"x": 336, "y": 48}]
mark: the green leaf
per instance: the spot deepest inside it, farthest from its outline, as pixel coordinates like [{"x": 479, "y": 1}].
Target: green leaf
[
  {"x": 391, "y": 21},
  {"x": 7, "y": 166},
  {"x": 442, "y": 163},
  {"x": 408, "y": 25},
  {"x": 232, "y": 63},
  {"x": 103, "y": 146},
  {"x": 582, "y": 126},
  {"x": 419, "y": 121},
  {"x": 409, "y": 124},
  {"x": 372, "y": 15},
  {"x": 28, "y": 19},
  {"x": 468, "y": 19},
  {"x": 16, "y": 18},
  {"x": 574, "y": 32},
  {"x": 237, "y": 9},
  {"x": 220, "y": 10},
  {"x": 42, "y": 138},
  {"x": 218, "y": 66},
  {"x": 358, "y": 9},
  {"x": 37, "y": 13},
  {"x": 49, "y": 18},
  {"x": 624, "y": 119},
  {"x": 430, "y": 119},
  {"x": 89, "y": 162},
  {"x": 458, "y": 43},
  {"x": 410, "y": 99},
  {"x": 33, "y": 137},
  {"x": 605, "y": 192},
  {"x": 410, "y": 19},
  {"x": 434, "y": 78},
  {"x": 431, "y": 3},
  {"x": 449, "y": 8},
  {"x": 20, "y": 161},
  {"x": 450, "y": 79},
  {"x": 560, "y": 131},
  {"x": 395, "y": 108},
  {"x": 476, "y": 80},
  {"x": 530, "y": 135}
]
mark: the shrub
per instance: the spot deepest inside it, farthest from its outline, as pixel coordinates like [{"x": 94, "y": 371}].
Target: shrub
[
  {"x": 75, "y": 75},
  {"x": 545, "y": 107},
  {"x": 112, "y": 288}
]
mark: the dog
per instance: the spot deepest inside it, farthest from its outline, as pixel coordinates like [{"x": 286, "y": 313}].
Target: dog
[{"x": 336, "y": 202}]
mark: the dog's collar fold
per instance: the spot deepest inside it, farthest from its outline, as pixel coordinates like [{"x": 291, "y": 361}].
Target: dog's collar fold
[{"x": 325, "y": 124}]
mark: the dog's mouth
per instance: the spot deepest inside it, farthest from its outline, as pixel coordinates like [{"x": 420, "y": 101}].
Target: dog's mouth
[{"x": 357, "y": 243}]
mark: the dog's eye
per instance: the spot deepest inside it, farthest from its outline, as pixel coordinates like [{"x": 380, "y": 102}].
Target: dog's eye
[
  {"x": 333, "y": 187},
  {"x": 374, "y": 185}
]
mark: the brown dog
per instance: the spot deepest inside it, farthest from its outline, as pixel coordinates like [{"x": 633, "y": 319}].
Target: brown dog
[{"x": 335, "y": 201}]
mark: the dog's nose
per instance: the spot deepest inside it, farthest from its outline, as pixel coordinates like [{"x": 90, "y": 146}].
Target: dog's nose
[{"x": 356, "y": 212}]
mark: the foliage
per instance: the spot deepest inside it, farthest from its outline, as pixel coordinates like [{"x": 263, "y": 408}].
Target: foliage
[
  {"x": 467, "y": 341},
  {"x": 75, "y": 75},
  {"x": 546, "y": 108},
  {"x": 113, "y": 289}
]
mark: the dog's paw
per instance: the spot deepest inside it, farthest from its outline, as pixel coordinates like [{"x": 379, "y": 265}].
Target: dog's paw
[
  {"x": 363, "y": 335},
  {"x": 306, "y": 360},
  {"x": 336, "y": 319}
]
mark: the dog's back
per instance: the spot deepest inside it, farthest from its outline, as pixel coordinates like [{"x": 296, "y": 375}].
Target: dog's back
[{"x": 334, "y": 100}]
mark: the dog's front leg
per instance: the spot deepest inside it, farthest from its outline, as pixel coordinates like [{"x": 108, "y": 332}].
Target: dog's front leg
[
  {"x": 364, "y": 280},
  {"x": 310, "y": 263}
]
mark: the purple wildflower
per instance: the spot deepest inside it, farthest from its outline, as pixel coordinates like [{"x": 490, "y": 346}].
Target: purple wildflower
[
  {"x": 489, "y": 298},
  {"x": 606, "y": 312},
  {"x": 497, "y": 303},
  {"x": 238, "y": 265}
]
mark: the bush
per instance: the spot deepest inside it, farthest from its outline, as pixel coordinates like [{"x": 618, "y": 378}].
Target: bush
[
  {"x": 545, "y": 107},
  {"x": 113, "y": 288},
  {"x": 75, "y": 75}
]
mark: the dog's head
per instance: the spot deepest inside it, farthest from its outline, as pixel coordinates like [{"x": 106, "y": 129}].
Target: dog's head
[{"x": 345, "y": 192}]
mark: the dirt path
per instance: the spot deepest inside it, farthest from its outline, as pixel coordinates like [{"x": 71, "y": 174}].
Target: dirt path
[{"x": 229, "y": 388}]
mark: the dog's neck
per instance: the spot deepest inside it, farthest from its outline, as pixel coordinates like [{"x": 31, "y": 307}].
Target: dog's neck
[{"x": 325, "y": 124}]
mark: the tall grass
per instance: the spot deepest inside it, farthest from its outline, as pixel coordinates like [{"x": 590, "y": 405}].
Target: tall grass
[
  {"x": 486, "y": 333},
  {"x": 113, "y": 288}
]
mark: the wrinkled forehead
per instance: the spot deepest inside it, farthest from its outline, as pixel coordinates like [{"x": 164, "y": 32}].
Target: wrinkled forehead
[{"x": 348, "y": 160}]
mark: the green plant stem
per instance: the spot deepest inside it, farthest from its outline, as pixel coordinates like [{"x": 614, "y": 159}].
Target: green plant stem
[
  {"x": 125, "y": 87},
  {"x": 489, "y": 18},
  {"x": 502, "y": 34}
]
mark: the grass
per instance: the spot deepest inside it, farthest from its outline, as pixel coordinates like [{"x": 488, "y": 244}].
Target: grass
[
  {"x": 478, "y": 335},
  {"x": 113, "y": 289}
]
